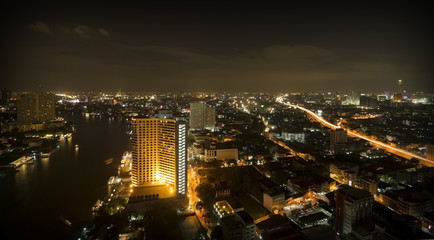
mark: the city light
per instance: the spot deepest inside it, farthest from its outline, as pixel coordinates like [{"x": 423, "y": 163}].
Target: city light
[
  {"x": 217, "y": 120},
  {"x": 353, "y": 134}
]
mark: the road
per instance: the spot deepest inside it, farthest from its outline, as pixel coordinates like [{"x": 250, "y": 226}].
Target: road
[{"x": 394, "y": 150}]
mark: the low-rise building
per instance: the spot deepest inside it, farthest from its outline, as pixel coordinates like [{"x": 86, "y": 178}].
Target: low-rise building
[
  {"x": 428, "y": 222},
  {"x": 222, "y": 189},
  {"x": 317, "y": 184},
  {"x": 294, "y": 137},
  {"x": 406, "y": 202},
  {"x": 369, "y": 184},
  {"x": 222, "y": 208},
  {"x": 249, "y": 225},
  {"x": 273, "y": 199},
  {"x": 238, "y": 226},
  {"x": 343, "y": 175},
  {"x": 232, "y": 227},
  {"x": 221, "y": 154},
  {"x": 274, "y": 226}
]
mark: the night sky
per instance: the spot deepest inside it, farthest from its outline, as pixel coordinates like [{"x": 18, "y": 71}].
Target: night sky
[{"x": 201, "y": 46}]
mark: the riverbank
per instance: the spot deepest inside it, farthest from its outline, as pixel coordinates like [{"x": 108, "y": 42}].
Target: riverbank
[{"x": 65, "y": 184}]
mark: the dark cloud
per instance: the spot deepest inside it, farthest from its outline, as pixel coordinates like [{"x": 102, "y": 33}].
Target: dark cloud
[
  {"x": 80, "y": 30},
  {"x": 201, "y": 47},
  {"x": 103, "y": 32},
  {"x": 271, "y": 68},
  {"x": 40, "y": 27}
]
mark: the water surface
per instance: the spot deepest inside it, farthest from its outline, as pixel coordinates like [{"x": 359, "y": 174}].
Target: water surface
[{"x": 64, "y": 186}]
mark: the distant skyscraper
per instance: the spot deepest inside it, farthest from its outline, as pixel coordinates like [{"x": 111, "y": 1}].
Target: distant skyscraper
[
  {"x": 400, "y": 86},
  {"x": 397, "y": 97},
  {"x": 364, "y": 100},
  {"x": 159, "y": 152},
  {"x": 368, "y": 101},
  {"x": 338, "y": 139},
  {"x": 197, "y": 110},
  {"x": 201, "y": 117},
  {"x": 381, "y": 98},
  {"x": 209, "y": 118},
  {"x": 6, "y": 95},
  {"x": 36, "y": 107},
  {"x": 353, "y": 208}
]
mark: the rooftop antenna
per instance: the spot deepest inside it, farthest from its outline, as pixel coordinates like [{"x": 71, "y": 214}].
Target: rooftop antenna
[{"x": 400, "y": 86}]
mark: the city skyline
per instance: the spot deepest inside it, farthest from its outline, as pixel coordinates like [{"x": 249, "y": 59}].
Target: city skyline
[
  {"x": 287, "y": 164},
  {"x": 217, "y": 120},
  {"x": 218, "y": 47}
]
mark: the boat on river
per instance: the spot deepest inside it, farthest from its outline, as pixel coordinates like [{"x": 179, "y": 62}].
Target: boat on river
[
  {"x": 97, "y": 205},
  {"x": 65, "y": 221},
  {"x": 108, "y": 161}
]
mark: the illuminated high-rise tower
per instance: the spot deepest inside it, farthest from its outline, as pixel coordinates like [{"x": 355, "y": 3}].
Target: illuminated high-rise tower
[
  {"x": 400, "y": 86},
  {"x": 159, "y": 153},
  {"x": 397, "y": 97}
]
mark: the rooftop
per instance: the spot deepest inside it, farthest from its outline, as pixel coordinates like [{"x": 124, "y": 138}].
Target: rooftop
[
  {"x": 354, "y": 193},
  {"x": 231, "y": 201},
  {"x": 273, "y": 221},
  {"x": 224, "y": 208},
  {"x": 319, "y": 232},
  {"x": 312, "y": 218},
  {"x": 274, "y": 192},
  {"x": 429, "y": 215},
  {"x": 163, "y": 190},
  {"x": 231, "y": 222},
  {"x": 247, "y": 219}
]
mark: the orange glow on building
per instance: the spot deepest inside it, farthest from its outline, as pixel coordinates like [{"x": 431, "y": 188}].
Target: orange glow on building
[{"x": 158, "y": 153}]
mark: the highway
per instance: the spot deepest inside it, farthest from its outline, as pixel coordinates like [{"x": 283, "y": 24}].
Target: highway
[{"x": 387, "y": 147}]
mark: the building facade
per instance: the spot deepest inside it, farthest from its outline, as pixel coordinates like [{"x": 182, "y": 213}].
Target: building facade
[
  {"x": 294, "y": 137},
  {"x": 273, "y": 199},
  {"x": 338, "y": 140},
  {"x": 407, "y": 202},
  {"x": 181, "y": 156},
  {"x": 159, "y": 153},
  {"x": 369, "y": 184},
  {"x": 201, "y": 116},
  {"x": 353, "y": 208},
  {"x": 36, "y": 107},
  {"x": 430, "y": 151},
  {"x": 343, "y": 175},
  {"x": 221, "y": 154}
]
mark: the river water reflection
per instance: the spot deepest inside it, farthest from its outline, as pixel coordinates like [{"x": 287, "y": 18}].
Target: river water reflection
[{"x": 64, "y": 186}]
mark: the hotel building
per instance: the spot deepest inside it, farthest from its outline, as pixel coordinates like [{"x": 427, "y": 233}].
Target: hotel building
[{"x": 159, "y": 156}]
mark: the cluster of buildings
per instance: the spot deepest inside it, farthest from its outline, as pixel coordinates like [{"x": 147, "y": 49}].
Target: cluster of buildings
[
  {"x": 34, "y": 111},
  {"x": 27, "y": 123},
  {"x": 344, "y": 189}
]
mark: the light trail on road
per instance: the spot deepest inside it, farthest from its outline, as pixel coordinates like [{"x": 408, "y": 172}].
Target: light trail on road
[{"x": 391, "y": 149}]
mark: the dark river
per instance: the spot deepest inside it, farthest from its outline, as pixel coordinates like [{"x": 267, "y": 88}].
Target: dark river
[{"x": 64, "y": 186}]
